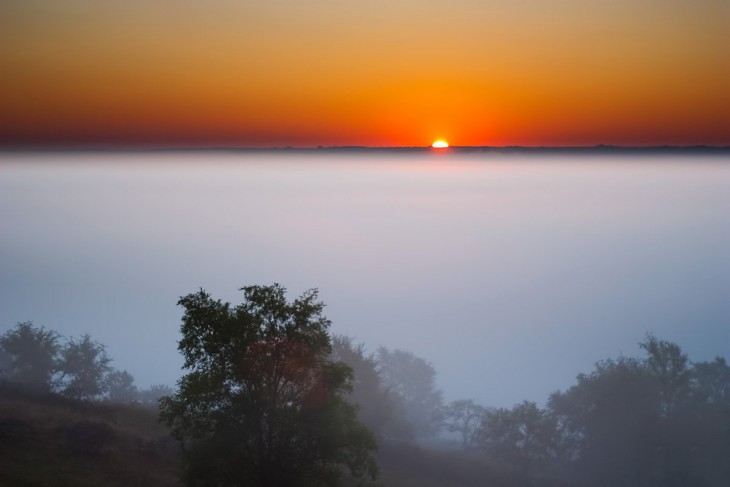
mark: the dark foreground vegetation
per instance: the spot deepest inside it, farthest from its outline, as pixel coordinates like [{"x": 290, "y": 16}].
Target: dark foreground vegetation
[
  {"x": 50, "y": 440},
  {"x": 271, "y": 398}
]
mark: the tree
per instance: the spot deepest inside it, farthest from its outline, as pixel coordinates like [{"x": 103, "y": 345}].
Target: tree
[
  {"x": 710, "y": 382},
  {"x": 30, "y": 355},
  {"x": 611, "y": 415},
  {"x": 261, "y": 403},
  {"x": 152, "y": 395},
  {"x": 710, "y": 428},
  {"x": 644, "y": 422},
  {"x": 523, "y": 437},
  {"x": 413, "y": 380},
  {"x": 119, "y": 385},
  {"x": 84, "y": 365},
  {"x": 668, "y": 366},
  {"x": 6, "y": 362},
  {"x": 464, "y": 417},
  {"x": 378, "y": 408}
]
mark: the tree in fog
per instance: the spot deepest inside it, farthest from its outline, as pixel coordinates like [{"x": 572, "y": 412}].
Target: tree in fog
[
  {"x": 378, "y": 409},
  {"x": 464, "y": 417},
  {"x": 668, "y": 368},
  {"x": 610, "y": 417},
  {"x": 84, "y": 365},
  {"x": 523, "y": 438},
  {"x": 119, "y": 385},
  {"x": 710, "y": 382},
  {"x": 710, "y": 428},
  {"x": 653, "y": 422},
  {"x": 152, "y": 395},
  {"x": 413, "y": 380},
  {"x": 261, "y": 403},
  {"x": 6, "y": 362},
  {"x": 30, "y": 355}
]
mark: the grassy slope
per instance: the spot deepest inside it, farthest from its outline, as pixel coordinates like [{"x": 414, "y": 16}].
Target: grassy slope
[
  {"x": 49, "y": 440},
  {"x": 410, "y": 466}
]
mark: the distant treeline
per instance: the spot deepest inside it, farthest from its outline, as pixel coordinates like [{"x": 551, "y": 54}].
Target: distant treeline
[
  {"x": 660, "y": 420},
  {"x": 271, "y": 398},
  {"x": 42, "y": 360}
]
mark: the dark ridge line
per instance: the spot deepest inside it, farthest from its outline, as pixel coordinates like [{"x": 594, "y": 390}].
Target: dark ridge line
[{"x": 709, "y": 149}]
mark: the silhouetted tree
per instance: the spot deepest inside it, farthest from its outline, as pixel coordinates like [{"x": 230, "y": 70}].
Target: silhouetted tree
[
  {"x": 710, "y": 382},
  {"x": 709, "y": 442},
  {"x": 668, "y": 368},
  {"x": 261, "y": 403},
  {"x": 654, "y": 422},
  {"x": 413, "y": 380},
  {"x": 612, "y": 417},
  {"x": 84, "y": 365},
  {"x": 119, "y": 385},
  {"x": 464, "y": 417},
  {"x": 30, "y": 355},
  {"x": 523, "y": 438}
]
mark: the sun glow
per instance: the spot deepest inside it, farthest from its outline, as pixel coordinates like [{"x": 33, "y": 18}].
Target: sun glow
[{"x": 440, "y": 144}]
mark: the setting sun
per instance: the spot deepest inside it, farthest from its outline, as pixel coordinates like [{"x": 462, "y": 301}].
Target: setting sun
[{"x": 440, "y": 144}]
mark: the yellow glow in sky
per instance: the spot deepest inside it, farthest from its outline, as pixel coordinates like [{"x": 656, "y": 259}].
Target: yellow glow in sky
[{"x": 356, "y": 72}]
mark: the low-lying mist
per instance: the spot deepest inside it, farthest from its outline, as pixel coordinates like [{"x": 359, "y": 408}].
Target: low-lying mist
[{"x": 509, "y": 273}]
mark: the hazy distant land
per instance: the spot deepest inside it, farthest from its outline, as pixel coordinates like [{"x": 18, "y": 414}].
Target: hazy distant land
[{"x": 357, "y": 149}]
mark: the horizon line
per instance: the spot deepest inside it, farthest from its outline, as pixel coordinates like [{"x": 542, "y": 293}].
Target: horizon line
[{"x": 547, "y": 148}]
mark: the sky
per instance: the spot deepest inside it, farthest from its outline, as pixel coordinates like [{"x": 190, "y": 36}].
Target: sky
[
  {"x": 157, "y": 73},
  {"x": 510, "y": 273}
]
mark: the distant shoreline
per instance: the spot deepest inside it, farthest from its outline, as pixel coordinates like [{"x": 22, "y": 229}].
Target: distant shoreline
[{"x": 597, "y": 149}]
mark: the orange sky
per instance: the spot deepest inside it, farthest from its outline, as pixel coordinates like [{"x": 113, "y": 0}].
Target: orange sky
[{"x": 376, "y": 72}]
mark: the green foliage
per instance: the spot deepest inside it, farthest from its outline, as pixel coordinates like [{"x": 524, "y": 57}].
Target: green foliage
[
  {"x": 84, "y": 365},
  {"x": 261, "y": 403},
  {"x": 269, "y": 401},
  {"x": 30, "y": 356}
]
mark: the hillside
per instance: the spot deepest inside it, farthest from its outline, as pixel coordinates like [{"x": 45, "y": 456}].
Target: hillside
[{"x": 46, "y": 439}]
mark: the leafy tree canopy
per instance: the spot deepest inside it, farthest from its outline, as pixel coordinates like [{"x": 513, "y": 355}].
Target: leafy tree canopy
[
  {"x": 379, "y": 409},
  {"x": 465, "y": 417},
  {"x": 413, "y": 380},
  {"x": 522, "y": 437},
  {"x": 30, "y": 355},
  {"x": 120, "y": 386},
  {"x": 261, "y": 403},
  {"x": 654, "y": 421},
  {"x": 84, "y": 365}
]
